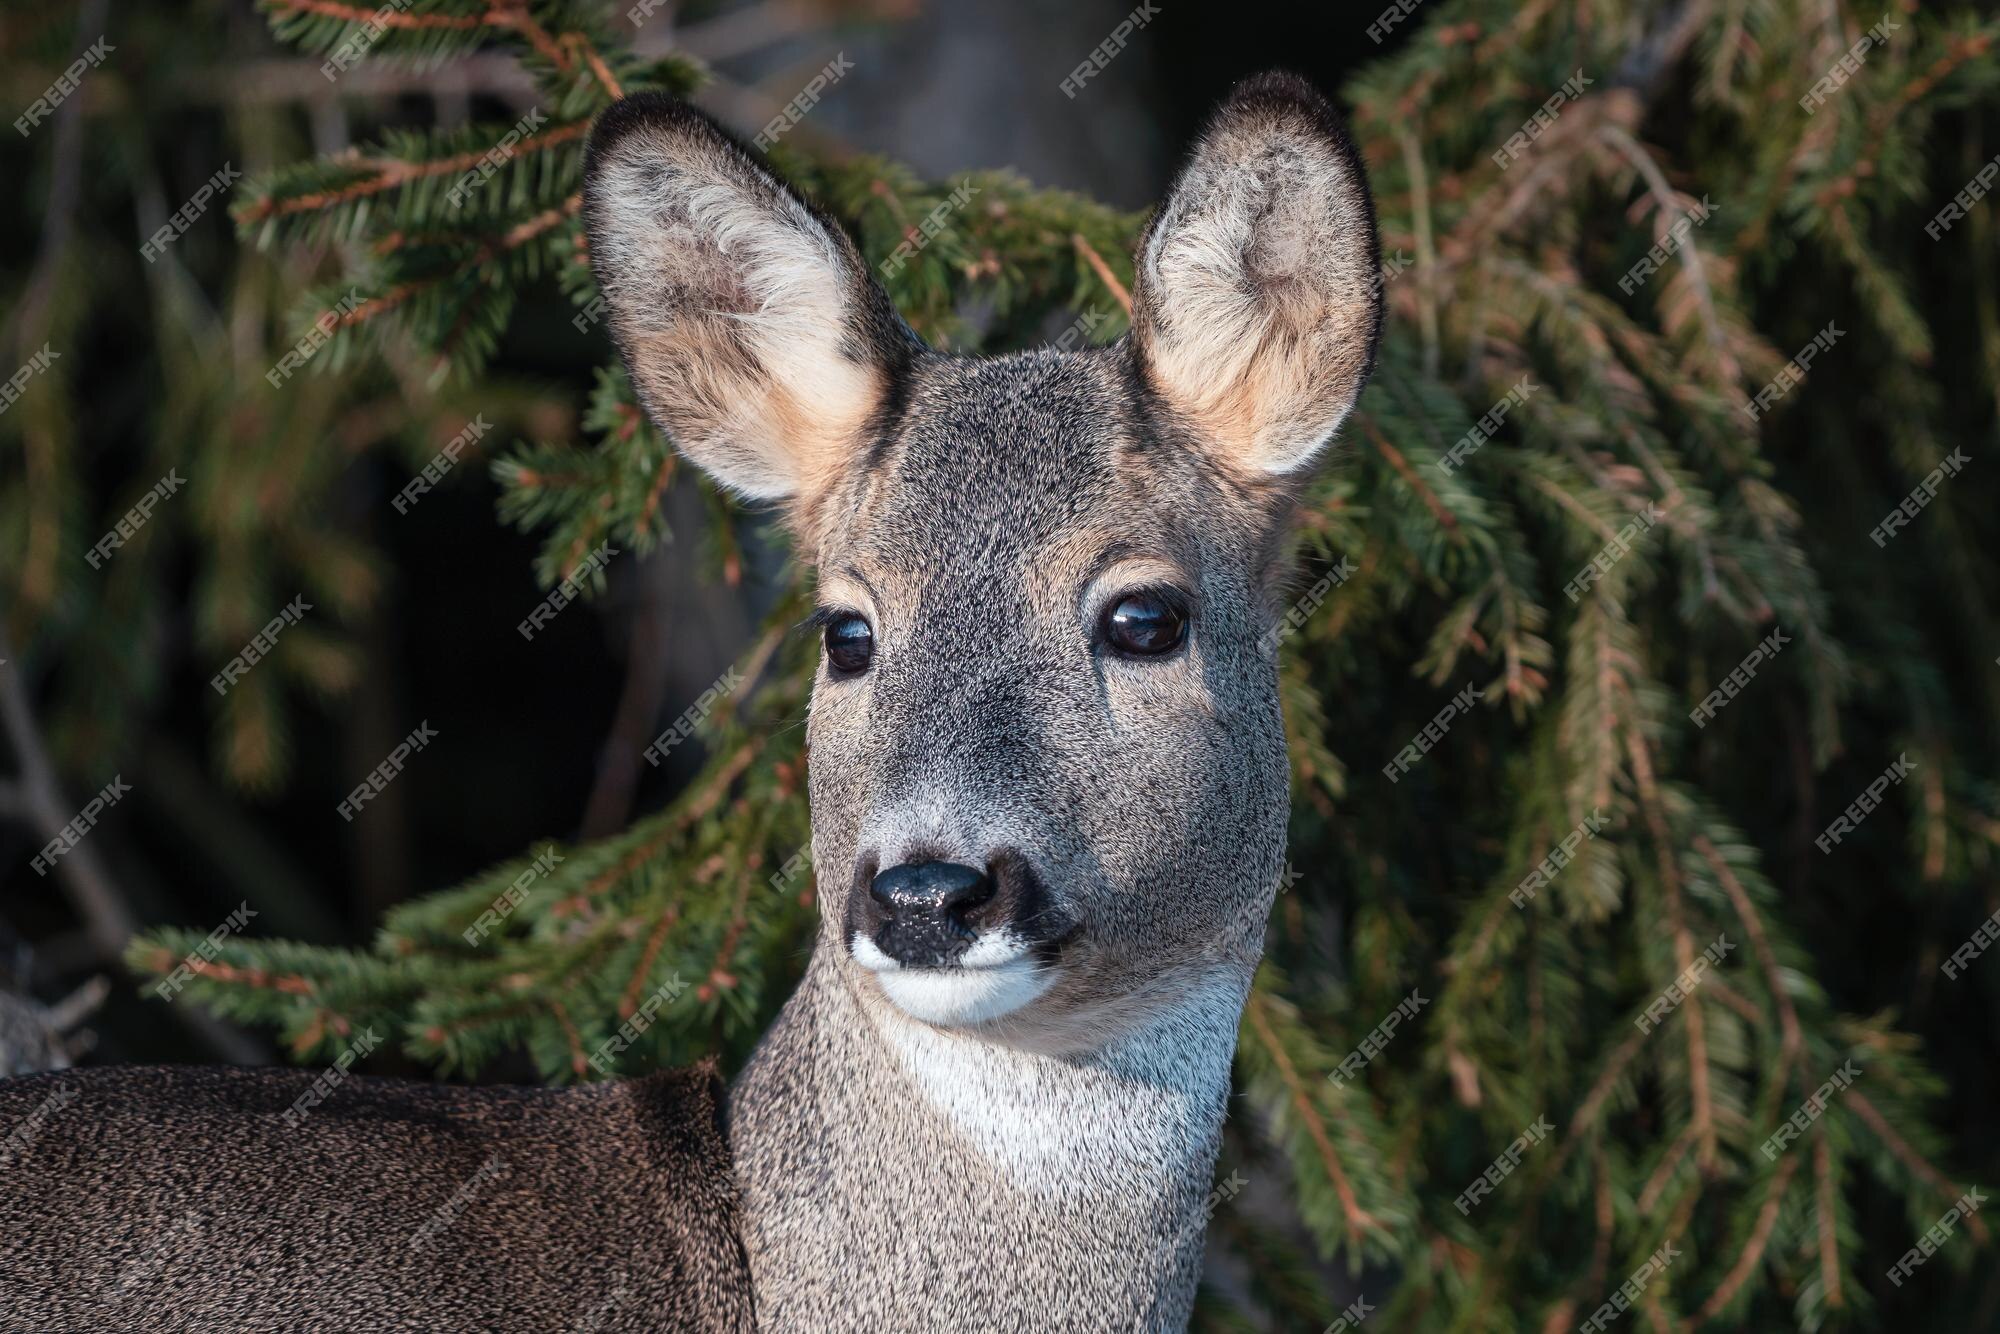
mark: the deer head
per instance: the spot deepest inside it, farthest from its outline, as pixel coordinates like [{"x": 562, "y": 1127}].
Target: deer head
[{"x": 1048, "y": 767}]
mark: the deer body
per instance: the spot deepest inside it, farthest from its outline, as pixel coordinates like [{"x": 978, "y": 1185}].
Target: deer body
[
  {"x": 1048, "y": 770},
  {"x": 144, "y": 1199}
]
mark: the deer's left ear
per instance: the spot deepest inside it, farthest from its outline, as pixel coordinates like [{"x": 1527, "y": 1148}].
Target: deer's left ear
[{"x": 1257, "y": 303}]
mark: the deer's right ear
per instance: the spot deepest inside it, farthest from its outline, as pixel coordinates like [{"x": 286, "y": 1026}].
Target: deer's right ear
[{"x": 750, "y": 326}]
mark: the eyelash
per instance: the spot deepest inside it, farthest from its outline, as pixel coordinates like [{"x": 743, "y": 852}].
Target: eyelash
[
  {"x": 822, "y": 617},
  {"x": 1171, "y": 594}
]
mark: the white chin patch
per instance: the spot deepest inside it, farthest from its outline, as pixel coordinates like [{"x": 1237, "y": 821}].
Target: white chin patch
[{"x": 995, "y": 977}]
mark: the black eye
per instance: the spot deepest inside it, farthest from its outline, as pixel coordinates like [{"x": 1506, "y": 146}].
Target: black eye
[
  {"x": 1145, "y": 624},
  {"x": 850, "y": 644}
]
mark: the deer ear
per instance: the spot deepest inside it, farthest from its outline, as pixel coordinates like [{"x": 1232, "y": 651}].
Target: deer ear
[
  {"x": 1257, "y": 303},
  {"x": 750, "y": 326}
]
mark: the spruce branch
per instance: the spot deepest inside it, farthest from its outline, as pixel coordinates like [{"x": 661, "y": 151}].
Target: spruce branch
[
  {"x": 1823, "y": 1217},
  {"x": 1103, "y": 271},
  {"x": 1683, "y": 941},
  {"x": 1919, "y": 1166},
  {"x": 1446, "y": 519},
  {"x": 1356, "y": 1220},
  {"x": 380, "y": 174},
  {"x": 1753, "y": 1246},
  {"x": 1791, "y": 1048},
  {"x": 705, "y": 798}
]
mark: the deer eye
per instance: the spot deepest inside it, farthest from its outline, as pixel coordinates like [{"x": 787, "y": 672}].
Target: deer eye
[
  {"x": 850, "y": 644},
  {"x": 1145, "y": 624}
]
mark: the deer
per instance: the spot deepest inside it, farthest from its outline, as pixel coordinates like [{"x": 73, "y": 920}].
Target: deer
[{"x": 1049, "y": 790}]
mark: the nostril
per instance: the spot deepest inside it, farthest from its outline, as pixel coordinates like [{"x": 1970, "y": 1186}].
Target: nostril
[{"x": 943, "y": 890}]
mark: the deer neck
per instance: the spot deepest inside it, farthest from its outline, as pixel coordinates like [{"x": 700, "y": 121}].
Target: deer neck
[{"x": 898, "y": 1176}]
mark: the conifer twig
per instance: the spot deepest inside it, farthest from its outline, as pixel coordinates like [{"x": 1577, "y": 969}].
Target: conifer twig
[
  {"x": 628, "y": 1004},
  {"x": 1792, "y": 1039},
  {"x": 1670, "y": 882},
  {"x": 577, "y": 1060},
  {"x": 1734, "y": 999},
  {"x": 1427, "y": 266},
  {"x": 389, "y": 173},
  {"x": 598, "y": 68},
  {"x": 1600, "y": 1251},
  {"x": 503, "y": 15},
  {"x": 291, "y": 984},
  {"x": 1357, "y": 1217},
  {"x": 1663, "y": 1175},
  {"x": 1915, "y": 1161},
  {"x": 1957, "y": 52},
  {"x": 1574, "y": 506},
  {"x": 1446, "y": 519},
  {"x": 1823, "y": 1207},
  {"x": 719, "y": 978},
  {"x": 1753, "y": 1247},
  {"x": 1690, "y": 252},
  {"x": 515, "y": 237},
  {"x": 1103, "y": 271},
  {"x": 1607, "y": 1079},
  {"x": 385, "y": 17},
  {"x": 698, "y": 805}
]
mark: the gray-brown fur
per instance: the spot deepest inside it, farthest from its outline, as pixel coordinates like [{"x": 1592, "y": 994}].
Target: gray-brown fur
[
  {"x": 155, "y": 1198},
  {"x": 1152, "y": 801},
  {"x": 1046, "y": 1168},
  {"x": 1024, "y": 1139}
]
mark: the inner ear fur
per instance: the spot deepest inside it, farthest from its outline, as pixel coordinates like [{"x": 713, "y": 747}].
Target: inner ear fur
[
  {"x": 1258, "y": 304},
  {"x": 749, "y": 324}
]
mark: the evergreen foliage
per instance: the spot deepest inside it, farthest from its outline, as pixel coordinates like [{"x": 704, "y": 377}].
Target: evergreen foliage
[{"x": 1497, "y": 274}]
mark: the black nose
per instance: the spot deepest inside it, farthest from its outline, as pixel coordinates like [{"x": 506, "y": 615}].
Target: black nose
[{"x": 922, "y": 910}]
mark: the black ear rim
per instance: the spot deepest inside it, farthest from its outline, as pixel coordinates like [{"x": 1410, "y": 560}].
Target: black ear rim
[
  {"x": 876, "y": 315},
  {"x": 1271, "y": 95}
]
